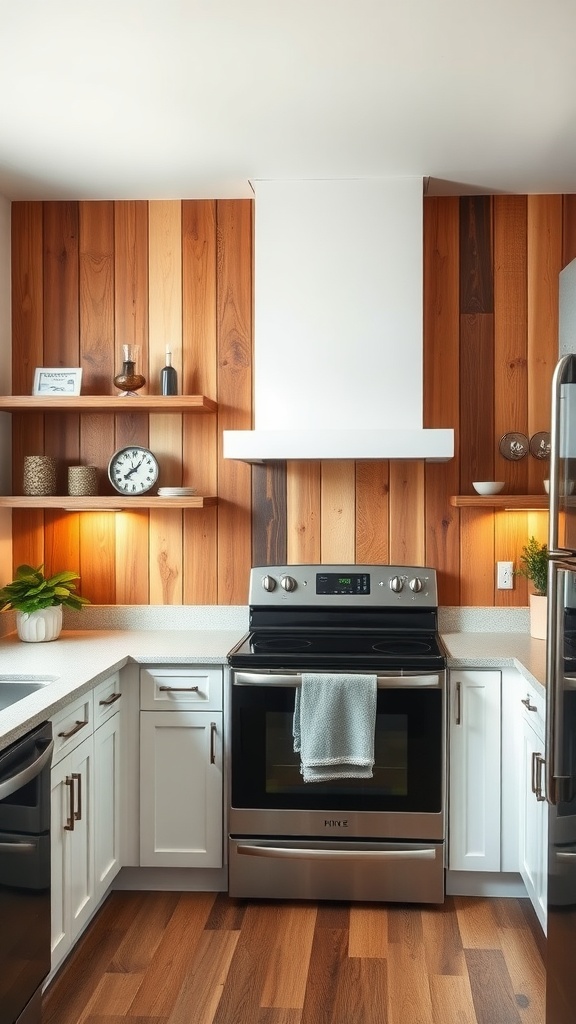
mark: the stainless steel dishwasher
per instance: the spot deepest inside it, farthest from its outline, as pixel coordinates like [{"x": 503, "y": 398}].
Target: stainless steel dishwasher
[{"x": 25, "y": 875}]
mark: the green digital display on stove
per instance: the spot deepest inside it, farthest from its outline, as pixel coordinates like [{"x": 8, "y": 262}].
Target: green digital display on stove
[{"x": 332, "y": 583}]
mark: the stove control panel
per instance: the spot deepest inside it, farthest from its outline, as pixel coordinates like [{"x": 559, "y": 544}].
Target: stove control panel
[{"x": 368, "y": 586}]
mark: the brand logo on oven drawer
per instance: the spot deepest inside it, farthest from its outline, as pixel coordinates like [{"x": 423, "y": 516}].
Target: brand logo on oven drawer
[{"x": 335, "y": 822}]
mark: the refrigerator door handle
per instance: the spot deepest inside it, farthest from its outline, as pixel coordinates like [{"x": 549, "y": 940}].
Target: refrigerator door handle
[
  {"x": 557, "y": 381},
  {"x": 554, "y": 679}
]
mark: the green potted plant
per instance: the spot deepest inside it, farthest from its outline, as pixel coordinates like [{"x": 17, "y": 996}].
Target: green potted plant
[
  {"x": 38, "y": 601},
  {"x": 534, "y": 566}
]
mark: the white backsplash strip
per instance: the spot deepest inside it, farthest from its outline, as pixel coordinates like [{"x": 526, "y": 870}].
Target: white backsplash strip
[
  {"x": 484, "y": 620},
  {"x": 159, "y": 616}
]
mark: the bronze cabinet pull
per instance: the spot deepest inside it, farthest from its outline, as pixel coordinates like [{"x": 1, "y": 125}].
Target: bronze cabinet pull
[
  {"x": 111, "y": 699},
  {"x": 458, "y": 704},
  {"x": 69, "y": 826},
  {"x": 75, "y": 729},
  {"x": 180, "y": 689},
  {"x": 213, "y": 731},
  {"x": 78, "y": 813},
  {"x": 526, "y": 702}
]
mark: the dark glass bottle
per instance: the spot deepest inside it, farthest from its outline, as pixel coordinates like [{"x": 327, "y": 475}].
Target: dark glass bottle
[{"x": 168, "y": 377}]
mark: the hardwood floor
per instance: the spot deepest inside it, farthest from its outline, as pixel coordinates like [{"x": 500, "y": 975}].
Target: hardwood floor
[{"x": 203, "y": 958}]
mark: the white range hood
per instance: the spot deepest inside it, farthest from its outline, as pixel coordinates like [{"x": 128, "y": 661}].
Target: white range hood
[{"x": 338, "y": 324}]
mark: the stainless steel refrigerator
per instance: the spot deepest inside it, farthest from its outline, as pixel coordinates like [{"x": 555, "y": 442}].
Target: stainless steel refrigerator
[{"x": 561, "y": 673}]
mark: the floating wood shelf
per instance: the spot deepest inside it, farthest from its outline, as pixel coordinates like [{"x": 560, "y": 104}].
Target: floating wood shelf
[
  {"x": 107, "y": 403},
  {"x": 502, "y": 501},
  {"x": 104, "y": 503}
]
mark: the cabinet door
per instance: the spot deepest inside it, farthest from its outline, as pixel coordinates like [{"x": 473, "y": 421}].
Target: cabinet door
[
  {"x": 107, "y": 789},
  {"x": 533, "y": 823},
  {"x": 474, "y": 812},
  {"x": 181, "y": 789},
  {"x": 71, "y": 847}
]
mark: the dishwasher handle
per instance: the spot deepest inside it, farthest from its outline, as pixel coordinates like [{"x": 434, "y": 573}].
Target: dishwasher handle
[{"x": 26, "y": 775}]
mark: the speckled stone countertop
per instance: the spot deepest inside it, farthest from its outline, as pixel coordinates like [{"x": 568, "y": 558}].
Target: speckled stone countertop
[
  {"x": 79, "y": 659},
  {"x": 498, "y": 650}
]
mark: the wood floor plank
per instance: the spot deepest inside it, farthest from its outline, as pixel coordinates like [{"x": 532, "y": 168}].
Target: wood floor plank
[
  {"x": 279, "y": 1015},
  {"x": 112, "y": 997},
  {"x": 477, "y": 923},
  {"x": 329, "y": 954},
  {"x": 452, "y": 1001},
  {"x": 527, "y": 973},
  {"x": 361, "y": 994},
  {"x": 289, "y": 957},
  {"x": 200, "y": 994},
  {"x": 442, "y": 942},
  {"x": 492, "y": 992},
  {"x": 240, "y": 1001},
  {"x": 99, "y": 1019},
  {"x": 168, "y": 970},
  {"x": 226, "y": 913},
  {"x": 145, "y": 933},
  {"x": 409, "y": 996},
  {"x": 368, "y": 931}
]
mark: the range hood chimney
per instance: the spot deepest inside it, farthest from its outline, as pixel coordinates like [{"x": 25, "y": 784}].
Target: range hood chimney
[{"x": 338, "y": 369}]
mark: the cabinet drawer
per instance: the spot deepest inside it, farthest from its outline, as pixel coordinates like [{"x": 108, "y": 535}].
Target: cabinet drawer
[
  {"x": 72, "y": 725},
  {"x": 533, "y": 705},
  {"x": 107, "y": 699},
  {"x": 182, "y": 688}
]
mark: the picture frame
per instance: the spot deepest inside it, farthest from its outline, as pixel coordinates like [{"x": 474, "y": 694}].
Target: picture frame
[{"x": 57, "y": 381}]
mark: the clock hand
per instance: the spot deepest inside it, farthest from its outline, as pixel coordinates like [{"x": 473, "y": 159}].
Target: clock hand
[{"x": 133, "y": 470}]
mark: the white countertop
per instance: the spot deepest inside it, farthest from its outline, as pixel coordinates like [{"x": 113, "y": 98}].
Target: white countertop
[{"x": 81, "y": 658}]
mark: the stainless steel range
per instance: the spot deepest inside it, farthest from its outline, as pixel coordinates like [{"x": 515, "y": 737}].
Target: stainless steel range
[{"x": 375, "y": 838}]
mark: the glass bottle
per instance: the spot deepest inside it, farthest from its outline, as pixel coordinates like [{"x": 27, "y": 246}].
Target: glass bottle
[{"x": 168, "y": 377}]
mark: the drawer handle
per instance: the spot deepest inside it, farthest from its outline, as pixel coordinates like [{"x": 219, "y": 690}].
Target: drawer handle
[
  {"x": 69, "y": 826},
  {"x": 526, "y": 702},
  {"x": 180, "y": 689},
  {"x": 75, "y": 729},
  {"x": 78, "y": 813},
  {"x": 110, "y": 700}
]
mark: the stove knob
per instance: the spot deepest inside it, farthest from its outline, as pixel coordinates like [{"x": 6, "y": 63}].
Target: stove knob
[
  {"x": 269, "y": 583},
  {"x": 396, "y": 584},
  {"x": 416, "y": 585},
  {"x": 288, "y": 582}
]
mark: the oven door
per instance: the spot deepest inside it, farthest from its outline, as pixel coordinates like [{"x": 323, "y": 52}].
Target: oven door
[{"x": 403, "y": 800}]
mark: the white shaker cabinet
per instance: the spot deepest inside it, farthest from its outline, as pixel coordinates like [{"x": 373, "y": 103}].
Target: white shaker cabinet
[
  {"x": 533, "y": 808},
  {"x": 474, "y": 837},
  {"x": 107, "y": 783},
  {"x": 181, "y": 777},
  {"x": 72, "y": 822}
]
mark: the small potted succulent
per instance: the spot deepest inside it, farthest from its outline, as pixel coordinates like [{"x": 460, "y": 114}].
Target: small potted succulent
[
  {"x": 38, "y": 601},
  {"x": 534, "y": 566}
]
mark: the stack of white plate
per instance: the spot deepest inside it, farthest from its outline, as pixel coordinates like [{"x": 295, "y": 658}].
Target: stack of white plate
[{"x": 176, "y": 492}]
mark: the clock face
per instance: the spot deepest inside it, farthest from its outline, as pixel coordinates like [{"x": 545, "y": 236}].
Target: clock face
[{"x": 133, "y": 470}]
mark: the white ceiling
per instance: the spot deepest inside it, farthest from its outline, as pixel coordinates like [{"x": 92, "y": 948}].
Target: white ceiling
[{"x": 193, "y": 98}]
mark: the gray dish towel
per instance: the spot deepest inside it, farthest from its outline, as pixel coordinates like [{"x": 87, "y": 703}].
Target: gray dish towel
[{"x": 334, "y": 725}]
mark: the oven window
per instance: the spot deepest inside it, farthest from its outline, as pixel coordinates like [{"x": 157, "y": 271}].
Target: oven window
[{"x": 408, "y": 748}]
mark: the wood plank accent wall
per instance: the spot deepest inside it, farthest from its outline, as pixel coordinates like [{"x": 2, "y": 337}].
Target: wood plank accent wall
[{"x": 89, "y": 276}]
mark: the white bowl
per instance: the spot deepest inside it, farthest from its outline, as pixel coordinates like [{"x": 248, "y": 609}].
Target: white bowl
[
  {"x": 488, "y": 486},
  {"x": 547, "y": 486}
]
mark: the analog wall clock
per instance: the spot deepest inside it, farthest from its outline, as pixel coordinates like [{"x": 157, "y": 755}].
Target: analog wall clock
[{"x": 133, "y": 470}]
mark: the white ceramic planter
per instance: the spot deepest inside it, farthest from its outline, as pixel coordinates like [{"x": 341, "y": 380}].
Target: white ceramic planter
[
  {"x": 34, "y": 627},
  {"x": 538, "y": 613}
]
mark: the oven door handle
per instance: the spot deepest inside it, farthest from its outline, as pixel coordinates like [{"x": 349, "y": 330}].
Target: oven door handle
[
  {"x": 417, "y": 679},
  {"x": 22, "y": 778},
  {"x": 295, "y": 853}
]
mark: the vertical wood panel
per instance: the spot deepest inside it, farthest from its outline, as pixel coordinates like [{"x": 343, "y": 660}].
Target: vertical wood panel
[
  {"x": 510, "y": 334},
  {"x": 234, "y": 319},
  {"x": 165, "y": 431},
  {"x": 476, "y": 282},
  {"x": 269, "y": 514},
  {"x": 407, "y": 512},
  {"x": 441, "y": 388},
  {"x": 303, "y": 512},
  {"x": 372, "y": 521},
  {"x": 337, "y": 511},
  {"x": 477, "y": 442},
  {"x": 27, "y": 353},
  {"x": 476, "y": 557},
  {"x": 198, "y": 376},
  {"x": 544, "y": 265},
  {"x": 568, "y": 229}
]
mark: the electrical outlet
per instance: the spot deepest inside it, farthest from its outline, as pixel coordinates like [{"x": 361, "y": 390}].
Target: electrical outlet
[{"x": 505, "y": 575}]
